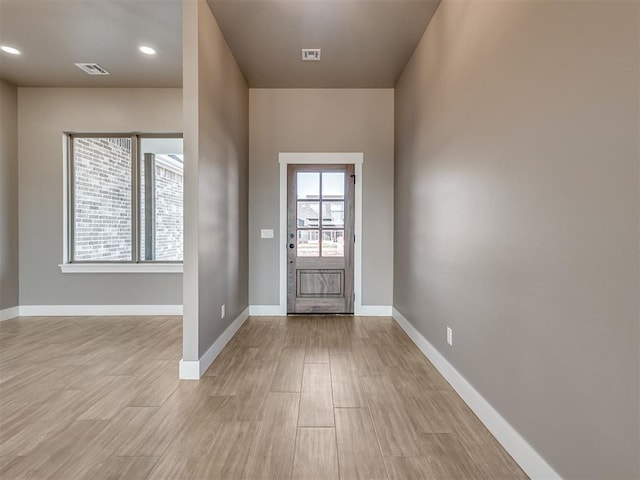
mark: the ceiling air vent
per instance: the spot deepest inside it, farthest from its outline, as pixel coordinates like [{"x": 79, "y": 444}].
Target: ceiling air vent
[
  {"x": 92, "y": 68},
  {"x": 311, "y": 54}
]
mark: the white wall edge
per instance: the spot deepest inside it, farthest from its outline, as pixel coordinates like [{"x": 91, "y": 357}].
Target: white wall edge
[
  {"x": 97, "y": 310},
  {"x": 266, "y": 310},
  {"x": 194, "y": 369},
  {"x": 524, "y": 454},
  {"x": 357, "y": 259},
  {"x": 9, "y": 313},
  {"x": 321, "y": 157},
  {"x": 327, "y": 158},
  {"x": 121, "y": 267},
  {"x": 65, "y": 197},
  {"x": 375, "y": 310},
  {"x": 282, "y": 236}
]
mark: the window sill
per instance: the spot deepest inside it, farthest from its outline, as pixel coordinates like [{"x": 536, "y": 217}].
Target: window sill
[{"x": 121, "y": 267}]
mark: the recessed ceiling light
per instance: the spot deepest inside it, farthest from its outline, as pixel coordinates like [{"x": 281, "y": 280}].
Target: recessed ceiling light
[
  {"x": 10, "y": 50},
  {"x": 147, "y": 50}
]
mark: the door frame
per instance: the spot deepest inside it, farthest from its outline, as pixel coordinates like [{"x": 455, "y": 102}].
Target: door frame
[{"x": 319, "y": 158}]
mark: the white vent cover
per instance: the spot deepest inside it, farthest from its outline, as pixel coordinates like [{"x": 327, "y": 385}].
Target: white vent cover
[
  {"x": 311, "y": 54},
  {"x": 92, "y": 68}
]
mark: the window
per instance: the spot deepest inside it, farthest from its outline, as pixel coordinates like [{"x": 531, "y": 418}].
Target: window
[
  {"x": 320, "y": 214},
  {"x": 125, "y": 198}
]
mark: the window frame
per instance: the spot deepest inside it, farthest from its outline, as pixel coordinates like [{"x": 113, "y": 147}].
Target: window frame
[{"x": 93, "y": 266}]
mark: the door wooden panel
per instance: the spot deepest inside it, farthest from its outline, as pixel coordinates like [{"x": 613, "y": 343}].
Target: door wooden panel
[
  {"x": 320, "y": 283},
  {"x": 320, "y": 238}
]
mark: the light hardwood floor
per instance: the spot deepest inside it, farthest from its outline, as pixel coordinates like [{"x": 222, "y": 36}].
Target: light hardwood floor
[{"x": 289, "y": 397}]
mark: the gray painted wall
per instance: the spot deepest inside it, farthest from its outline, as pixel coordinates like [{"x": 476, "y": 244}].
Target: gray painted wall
[
  {"x": 9, "y": 283},
  {"x": 216, "y": 113},
  {"x": 43, "y": 115},
  {"x": 321, "y": 120},
  {"x": 517, "y": 207}
]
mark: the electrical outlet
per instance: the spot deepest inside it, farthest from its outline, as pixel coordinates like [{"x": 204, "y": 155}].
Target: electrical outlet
[
  {"x": 222, "y": 311},
  {"x": 449, "y": 336}
]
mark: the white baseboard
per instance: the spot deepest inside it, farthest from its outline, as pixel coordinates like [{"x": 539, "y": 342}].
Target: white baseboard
[
  {"x": 194, "y": 369},
  {"x": 9, "y": 313},
  {"x": 364, "y": 310},
  {"x": 97, "y": 310},
  {"x": 375, "y": 310},
  {"x": 524, "y": 454},
  {"x": 266, "y": 311}
]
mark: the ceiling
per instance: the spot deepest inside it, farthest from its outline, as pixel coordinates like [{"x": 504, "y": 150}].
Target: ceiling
[
  {"x": 365, "y": 43},
  {"x": 55, "y": 34}
]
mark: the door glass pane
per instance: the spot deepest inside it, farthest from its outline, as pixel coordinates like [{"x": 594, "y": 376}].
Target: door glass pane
[
  {"x": 333, "y": 185},
  {"x": 333, "y": 243},
  {"x": 308, "y": 214},
  {"x": 161, "y": 193},
  {"x": 308, "y": 244},
  {"x": 308, "y": 185},
  {"x": 333, "y": 214},
  {"x": 102, "y": 199}
]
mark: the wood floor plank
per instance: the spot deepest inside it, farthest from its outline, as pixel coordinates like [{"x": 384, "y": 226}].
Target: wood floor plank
[
  {"x": 316, "y": 456},
  {"x": 316, "y": 355},
  {"x": 21, "y": 434},
  {"x": 491, "y": 459},
  {"x": 240, "y": 408},
  {"x": 394, "y": 427},
  {"x": 316, "y": 400},
  {"x": 4, "y": 461},
  {"x": 288, "y": 375},
  {"x": 112, "y": 399},
  {"x": 416, "y": 384},
  {"x": 488, "y": 454},
  {"x": 298, "y": 332},
  {"x": 368, "y": 361},
  {"x": 153, "y": 386},
  {"x": 230, "y": 449},
  {"x": 232, "y": 370},
  {"x": 449, "y": 459},
  {"x": 178, "y": 468},
  {"x": 206, "y": 447},
  {"x": 155, "y": 436},
  {"x": 227, "y": 357},
  {"x": 225, "y": 457},
  {"x": 239, "y": 381},
  {"x": 69, "y": 452},
  {"x": 19, "y": 468},
  {"x": 17, "y": 416},
  {"x": 432, "y": 412},
  {"x": 133, "y": 468},
  {"x": 271, "y": 454},
  {"x": 359, "y": 455},
  {"x": 345, "y": 383},
  {"x": 123, "y": 427},
  {"x": 197, "y": 434},
  {"x": 409, "y": 468}
]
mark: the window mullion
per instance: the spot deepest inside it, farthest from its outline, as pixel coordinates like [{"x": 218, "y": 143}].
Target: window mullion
[
  {"x": 135, "y": 198},
  {"x": 320, "y": 219}
]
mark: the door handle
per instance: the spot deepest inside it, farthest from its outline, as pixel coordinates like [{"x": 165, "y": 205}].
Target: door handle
[{"x": 291, "y": 245}]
